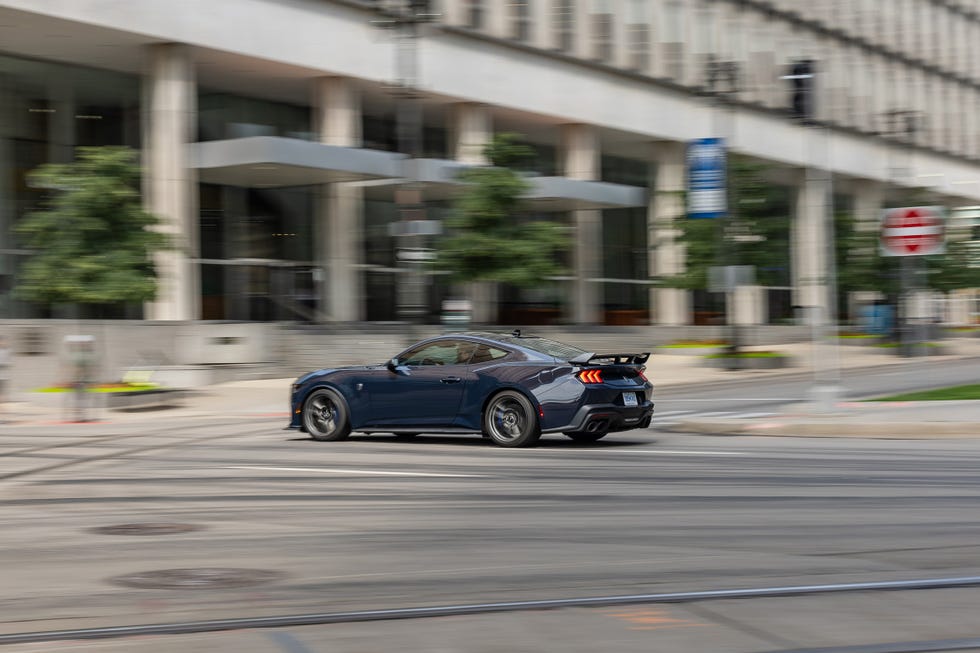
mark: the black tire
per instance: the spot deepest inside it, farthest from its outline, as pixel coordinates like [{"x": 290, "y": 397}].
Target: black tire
[
  {"x": 586, "y": 437},
  {"x": 325, "y": 416},
  {"x": 510, "y": 420}
]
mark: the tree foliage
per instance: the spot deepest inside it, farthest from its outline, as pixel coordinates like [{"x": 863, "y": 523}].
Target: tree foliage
[
  {"x": 757, "y": 234},
  {"x": 92, "y": 241},
  {"x": 491, "y": 236}
]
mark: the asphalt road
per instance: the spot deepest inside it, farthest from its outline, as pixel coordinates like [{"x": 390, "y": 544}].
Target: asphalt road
[{"x": 378, "y": 523}]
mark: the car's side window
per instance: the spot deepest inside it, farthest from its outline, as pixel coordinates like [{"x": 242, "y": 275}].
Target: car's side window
[
  {"x": 486, "y": 353},
  {"x": 444, "y": 352}
]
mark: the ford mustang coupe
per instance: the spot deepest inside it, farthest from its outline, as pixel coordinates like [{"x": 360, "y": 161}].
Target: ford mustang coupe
[{"x": 509, "y": 388}]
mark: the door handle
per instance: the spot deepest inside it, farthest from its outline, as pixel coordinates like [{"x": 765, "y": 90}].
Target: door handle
[{"x": 451, "y": 379}]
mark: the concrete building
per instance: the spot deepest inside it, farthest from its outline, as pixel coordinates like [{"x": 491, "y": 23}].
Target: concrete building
[{"x": 269, "y": 136}]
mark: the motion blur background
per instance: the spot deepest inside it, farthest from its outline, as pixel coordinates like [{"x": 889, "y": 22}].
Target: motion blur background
[{"x": 270, "y": 140}]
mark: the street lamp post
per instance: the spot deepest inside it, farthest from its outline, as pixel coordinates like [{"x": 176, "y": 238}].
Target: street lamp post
[
  {"x": 826, "y": 389},
  {"x": 404, "y": 18},
  {"x": 722, "y": 85}
]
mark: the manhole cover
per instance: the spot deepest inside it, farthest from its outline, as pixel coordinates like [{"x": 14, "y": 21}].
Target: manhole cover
[
  {"x": 161, "y": 528},
  {"x": 204, "y": 578}
]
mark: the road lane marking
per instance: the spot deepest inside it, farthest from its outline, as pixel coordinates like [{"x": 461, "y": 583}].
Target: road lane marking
[
  {"x": 677, "y": 452},
  {"x": 671, "y": 400},
  {"x": 363, "y": 472}
]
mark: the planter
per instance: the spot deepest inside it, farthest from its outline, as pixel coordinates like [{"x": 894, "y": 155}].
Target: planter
[
  {"x": 156, "y": 398},
  {"x": 748, "y": 362},
  {"x": 917, "y": 350}
]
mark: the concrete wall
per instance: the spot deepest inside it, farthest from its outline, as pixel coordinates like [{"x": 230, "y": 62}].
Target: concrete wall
[{"x": 40, "y": 356}]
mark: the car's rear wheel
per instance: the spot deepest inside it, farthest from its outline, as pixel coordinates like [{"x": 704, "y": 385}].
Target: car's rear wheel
[
  {"x": 510, "y": 420},
  {"x": 325, "y": 416},
  {"x": 585, "y": 437}
]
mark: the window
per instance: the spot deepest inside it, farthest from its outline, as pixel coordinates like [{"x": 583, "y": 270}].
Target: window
[
  {"x": 443, "y": 352},
  {"x": 564, "y": 21},
  {"x": 638, "y": 21},
  {"x": 520, "y": 20},
  {"x": 602, "y": 29},
  {"x": 543, "y": 346},
  {"x": 486, "y": 353},
  {"x": 474, "y": 14}
]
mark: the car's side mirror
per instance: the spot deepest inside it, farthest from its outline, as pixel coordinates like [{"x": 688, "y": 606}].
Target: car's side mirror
[{"x": 395, "y": 367}]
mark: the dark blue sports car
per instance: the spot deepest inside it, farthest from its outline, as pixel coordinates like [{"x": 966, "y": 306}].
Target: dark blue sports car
[{"x": 511, "y": 388}]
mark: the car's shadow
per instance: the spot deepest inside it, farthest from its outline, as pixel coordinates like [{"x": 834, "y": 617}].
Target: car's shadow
[{"x": 546, "y": 442}]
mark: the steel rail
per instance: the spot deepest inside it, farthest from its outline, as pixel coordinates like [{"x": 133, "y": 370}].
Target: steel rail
[
  {"x": 314, "y": 619},
  {"x": 963, "y": 644}
]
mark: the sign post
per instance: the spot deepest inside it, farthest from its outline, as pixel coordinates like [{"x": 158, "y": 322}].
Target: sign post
[{"x": 906, "y": 232}]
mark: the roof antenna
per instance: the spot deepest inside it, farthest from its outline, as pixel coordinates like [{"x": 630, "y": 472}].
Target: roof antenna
[{"x": 516, "y": 333}]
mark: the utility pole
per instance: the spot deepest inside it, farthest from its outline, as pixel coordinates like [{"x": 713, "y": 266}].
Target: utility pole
[
  {"x": 826, "y": 390},
  {"x": 404, "y": 18},
  {"x": 722, "y": 85}
]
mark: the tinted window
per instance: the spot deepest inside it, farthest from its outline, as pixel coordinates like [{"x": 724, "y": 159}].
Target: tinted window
[
  {"x": 544, "y": 346},
  {"x": 486, "y": 353},
  {"x": 444, "y": 352}
]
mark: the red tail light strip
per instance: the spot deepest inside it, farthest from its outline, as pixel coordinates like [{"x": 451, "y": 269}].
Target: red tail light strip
[{"x": 590, "y": 376}]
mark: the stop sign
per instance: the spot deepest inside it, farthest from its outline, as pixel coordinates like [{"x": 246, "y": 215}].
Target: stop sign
[{"x": 913, "y": 231}]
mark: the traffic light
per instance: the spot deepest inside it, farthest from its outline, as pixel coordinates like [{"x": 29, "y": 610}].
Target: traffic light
[{"x": 801, "y": 89}]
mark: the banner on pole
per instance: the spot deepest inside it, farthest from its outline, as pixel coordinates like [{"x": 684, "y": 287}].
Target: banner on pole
[{"x": 706, "y": 196}]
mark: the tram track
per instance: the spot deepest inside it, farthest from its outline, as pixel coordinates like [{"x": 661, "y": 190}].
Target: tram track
[{"x": 426, "y": 612}]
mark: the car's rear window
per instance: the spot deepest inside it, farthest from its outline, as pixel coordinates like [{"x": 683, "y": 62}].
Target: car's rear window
[{"x": 544, "y": 346}]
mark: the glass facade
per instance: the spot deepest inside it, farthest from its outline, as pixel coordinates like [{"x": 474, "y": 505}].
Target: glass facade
[{"x": 46, "y": 111}]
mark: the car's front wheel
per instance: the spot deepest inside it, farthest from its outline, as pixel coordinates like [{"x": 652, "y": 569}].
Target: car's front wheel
[
  {"x": 510, "y": 420},
  {"x": 325, "y": 416}
]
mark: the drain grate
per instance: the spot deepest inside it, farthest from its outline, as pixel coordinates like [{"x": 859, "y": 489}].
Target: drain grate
[
  {"x": 204, "y": 578},
  {"x": 153, "y": 528}
]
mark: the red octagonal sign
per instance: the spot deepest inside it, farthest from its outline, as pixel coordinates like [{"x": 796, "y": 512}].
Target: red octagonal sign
[{"x": 913, "y": 231}]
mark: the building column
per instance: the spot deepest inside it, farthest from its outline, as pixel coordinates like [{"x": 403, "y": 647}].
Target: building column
[
  {"x": 869, "y": 199},
  {"x": 581, "y": 160},
  {"x": 471, "y": 129},
  {"x": 809, "y": 242},
  {"x": 170, "y": 123},
  {"x": 668, "y": 306},
  {"x": 339, "y": 225}
]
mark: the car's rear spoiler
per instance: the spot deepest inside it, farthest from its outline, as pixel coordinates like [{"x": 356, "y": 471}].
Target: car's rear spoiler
[{"x": 591, "y": 358}]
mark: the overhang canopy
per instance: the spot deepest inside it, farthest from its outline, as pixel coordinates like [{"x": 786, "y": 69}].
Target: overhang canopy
[
  {"x": 272, "y": 161},
  {"x": 440, "y": 180}
]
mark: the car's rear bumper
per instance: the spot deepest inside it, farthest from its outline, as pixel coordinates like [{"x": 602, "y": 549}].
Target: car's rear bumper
[{"x": 607, "y": 418}]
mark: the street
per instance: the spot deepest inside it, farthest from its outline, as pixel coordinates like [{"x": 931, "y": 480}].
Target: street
[{"x": 270, "y": 523}]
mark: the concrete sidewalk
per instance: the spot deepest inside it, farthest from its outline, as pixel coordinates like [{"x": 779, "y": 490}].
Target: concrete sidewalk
[{"x": 268, "y": 398}]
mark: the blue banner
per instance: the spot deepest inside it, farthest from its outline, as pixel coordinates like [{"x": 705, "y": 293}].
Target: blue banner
[{"x": 706, "y": 196}]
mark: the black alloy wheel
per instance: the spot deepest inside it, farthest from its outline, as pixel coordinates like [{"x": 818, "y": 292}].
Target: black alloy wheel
[
  {"x": 510, "y": 420},
  {"x": 325, "y": 416}
]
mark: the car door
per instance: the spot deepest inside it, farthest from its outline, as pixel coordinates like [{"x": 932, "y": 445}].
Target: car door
[{"x": 424, "y": 390}]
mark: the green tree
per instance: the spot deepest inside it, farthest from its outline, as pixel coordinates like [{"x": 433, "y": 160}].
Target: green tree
[
  {"x": 757, "y": 234},
  {"x": 491, "y": 237},
  {"x": 92, "y": 241}
]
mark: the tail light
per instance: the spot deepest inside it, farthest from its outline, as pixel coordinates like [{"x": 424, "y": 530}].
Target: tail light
[
  {"x": 590, "y": 376},
  {"x": 643, "y": 377}
]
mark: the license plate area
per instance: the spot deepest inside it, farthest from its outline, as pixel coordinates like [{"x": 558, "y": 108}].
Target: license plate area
[{"x": 629, "y": 399}]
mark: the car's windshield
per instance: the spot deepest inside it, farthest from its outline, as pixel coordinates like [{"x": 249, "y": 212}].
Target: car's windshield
[{"x": 543, "y": 346}]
